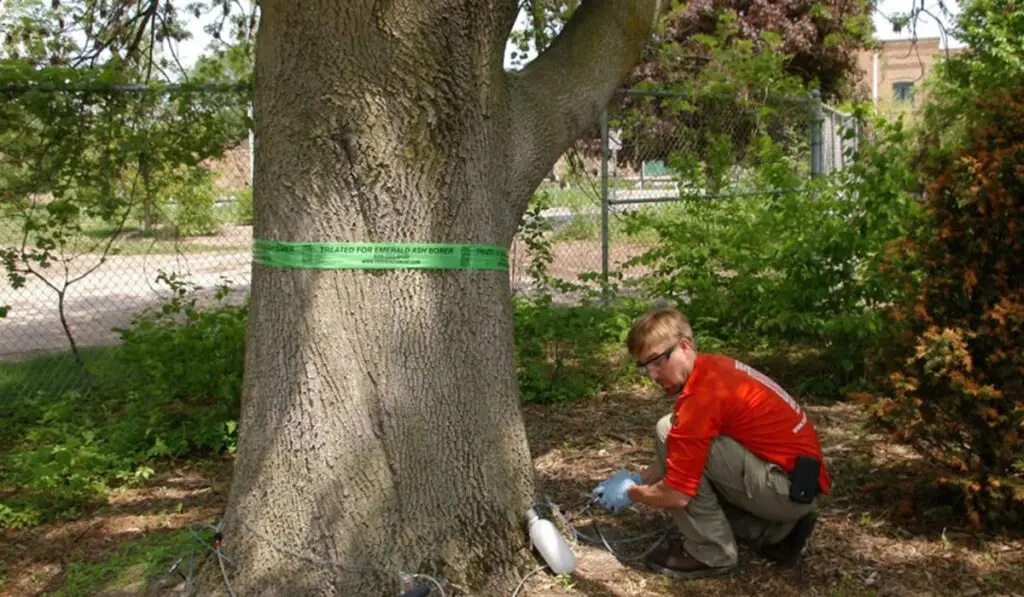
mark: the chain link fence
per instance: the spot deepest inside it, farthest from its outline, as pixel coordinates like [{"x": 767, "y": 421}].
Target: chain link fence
[
  {"x": 655, "y": 147},
  {"x": 112, "y": 195}
]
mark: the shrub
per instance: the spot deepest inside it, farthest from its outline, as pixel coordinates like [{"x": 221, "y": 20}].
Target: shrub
[
  {"x": 59, "y": 463},
  {"x": 564, "y": 352},
  {"x": 171, "y": 389},
  {"x": 793, "y": 261},
  {"x": 178, "y": 375},
  {"x": 195, "y": 196},
  {"x": 957, "y": 392},
  {"x": 569, "y": 352},
  {"x": 243, "y": 206}
]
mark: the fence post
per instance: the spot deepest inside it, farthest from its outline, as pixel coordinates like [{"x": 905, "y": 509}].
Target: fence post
[
  {"x": 817, "y": 136},
  {"x": 604, "y": 200}
]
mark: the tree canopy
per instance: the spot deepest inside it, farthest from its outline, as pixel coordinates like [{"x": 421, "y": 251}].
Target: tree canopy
[{"x": 819, "y": 39}]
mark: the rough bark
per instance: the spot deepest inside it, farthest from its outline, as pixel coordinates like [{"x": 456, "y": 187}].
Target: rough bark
[{"x": 381, "y": 428}]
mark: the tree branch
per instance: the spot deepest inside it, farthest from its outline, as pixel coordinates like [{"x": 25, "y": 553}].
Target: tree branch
[{"x": 560, "y": 94}]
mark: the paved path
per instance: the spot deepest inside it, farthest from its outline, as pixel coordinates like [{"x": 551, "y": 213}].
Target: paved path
[{"x": 105, "y": 299}]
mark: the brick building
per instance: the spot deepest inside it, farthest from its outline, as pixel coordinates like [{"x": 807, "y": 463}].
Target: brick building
[{"x": 893, "y": 72}]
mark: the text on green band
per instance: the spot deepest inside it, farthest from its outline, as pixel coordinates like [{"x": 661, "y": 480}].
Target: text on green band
[{"x": 379, "y": 255}]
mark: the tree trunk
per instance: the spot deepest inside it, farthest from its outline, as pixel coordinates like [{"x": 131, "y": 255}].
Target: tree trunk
[{"x": 381, "y": 431}]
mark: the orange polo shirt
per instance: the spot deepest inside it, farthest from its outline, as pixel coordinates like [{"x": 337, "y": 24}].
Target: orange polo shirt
[{"x": 726, "y": 397}]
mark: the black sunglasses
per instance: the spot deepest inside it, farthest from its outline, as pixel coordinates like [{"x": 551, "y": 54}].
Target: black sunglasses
[{"x": 665, "y": 354}]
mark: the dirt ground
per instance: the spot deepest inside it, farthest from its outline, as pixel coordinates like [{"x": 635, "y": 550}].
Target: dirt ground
[{"x": 861, "y": 546}]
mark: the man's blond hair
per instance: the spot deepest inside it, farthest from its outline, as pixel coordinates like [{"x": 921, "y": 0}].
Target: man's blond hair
[{"x": 657, "y": 326}]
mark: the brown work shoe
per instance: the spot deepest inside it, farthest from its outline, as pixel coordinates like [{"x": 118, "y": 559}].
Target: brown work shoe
[
  {"x": 787, "y": 551},
  {"x": 672, "y": 560}
]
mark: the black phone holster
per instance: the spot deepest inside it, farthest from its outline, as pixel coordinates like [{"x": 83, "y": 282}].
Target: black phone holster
[{"x": 803, "y": 481}]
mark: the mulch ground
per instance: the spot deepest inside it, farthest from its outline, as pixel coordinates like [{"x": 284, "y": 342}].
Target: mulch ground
[
  {"x": 872, "y": 539},
  {"x": 865, "y": 543}
]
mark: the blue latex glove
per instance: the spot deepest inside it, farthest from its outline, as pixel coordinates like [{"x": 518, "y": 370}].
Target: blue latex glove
[{"x": 613, "y": 493}]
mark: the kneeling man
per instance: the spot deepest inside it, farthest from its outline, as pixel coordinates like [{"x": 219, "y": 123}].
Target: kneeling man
[{"x": 737, "y": 457}]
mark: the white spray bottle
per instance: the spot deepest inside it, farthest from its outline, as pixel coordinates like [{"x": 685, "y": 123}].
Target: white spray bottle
[{"x": 550, "y": 543}]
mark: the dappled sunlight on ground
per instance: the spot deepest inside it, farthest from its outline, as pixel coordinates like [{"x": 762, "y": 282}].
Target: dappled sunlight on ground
[
  {"x": 861, "y": 547},
  {"x": 36, "y": 560}
]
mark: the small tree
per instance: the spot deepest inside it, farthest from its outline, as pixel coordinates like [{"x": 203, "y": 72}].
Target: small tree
[
  {"x": 82, "y": 153},
  {"x": 62, "y": 168},
  {"x": 87, "y": 139}
]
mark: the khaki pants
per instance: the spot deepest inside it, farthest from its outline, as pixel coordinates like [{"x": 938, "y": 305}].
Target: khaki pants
[{"x": 740, "y": 496}]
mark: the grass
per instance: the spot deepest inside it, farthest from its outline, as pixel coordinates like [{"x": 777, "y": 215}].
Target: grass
[
  {"x": 577, "y": 197},
  {"x": 45, "y": 377},
  {"x": 588, "y": 228},
  {"x": 140, "y": 245},
  {"x": 133, "y": 566},
  {"x": 584, "y": 201}
]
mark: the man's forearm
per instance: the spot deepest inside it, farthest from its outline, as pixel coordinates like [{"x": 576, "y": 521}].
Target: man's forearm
[{"x": 658, "y": 495}]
